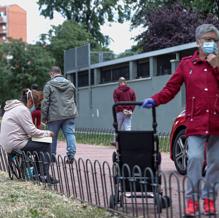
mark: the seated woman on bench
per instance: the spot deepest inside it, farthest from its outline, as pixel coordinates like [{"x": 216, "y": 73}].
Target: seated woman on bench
[{"x": 17, "y": 128}]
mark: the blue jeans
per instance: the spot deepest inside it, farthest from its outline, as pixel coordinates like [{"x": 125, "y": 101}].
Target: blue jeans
[
  {"x": 68, "y": 128},
  {"x": 196, "y": 146}
]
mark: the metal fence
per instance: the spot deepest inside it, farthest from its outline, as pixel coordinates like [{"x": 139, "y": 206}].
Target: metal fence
[
  {"x": 103, "y": 136},
  {"x": 96, "y": 136},
  {"x": 133, "y": 192}
]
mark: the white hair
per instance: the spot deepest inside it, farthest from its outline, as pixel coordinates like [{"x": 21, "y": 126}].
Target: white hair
[{"x": 205, "y": 28}]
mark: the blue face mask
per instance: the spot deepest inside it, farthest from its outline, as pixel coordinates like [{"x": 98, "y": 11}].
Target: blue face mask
[
  {"x": 209, "y": 48},
  {"x": 33, "y": 108}
]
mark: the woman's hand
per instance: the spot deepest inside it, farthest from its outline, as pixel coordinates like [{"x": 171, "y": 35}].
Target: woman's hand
[
  {"x": 51, "y": 133},
  {"x": 213, "y": 60}
]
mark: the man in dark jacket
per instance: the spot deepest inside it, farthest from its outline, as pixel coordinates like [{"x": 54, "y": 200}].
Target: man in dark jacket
[
  {"x": 59, "y": 110},
  {"x": 124, "y": 113},
  {"x": 200, "y": 74}
]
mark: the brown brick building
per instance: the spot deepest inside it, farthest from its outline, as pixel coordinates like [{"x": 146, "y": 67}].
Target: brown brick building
[{"x": 13, "y": 23}]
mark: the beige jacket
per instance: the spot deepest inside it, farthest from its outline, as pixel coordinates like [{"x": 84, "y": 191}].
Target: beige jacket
[{"x": 17, "y": 126}]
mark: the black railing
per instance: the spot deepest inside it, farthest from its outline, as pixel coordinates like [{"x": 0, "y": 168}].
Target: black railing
[
  {"x": 101, "y": 136},
  {"x": 94, "y": 136},
  {"x": 135, "y": 192}
]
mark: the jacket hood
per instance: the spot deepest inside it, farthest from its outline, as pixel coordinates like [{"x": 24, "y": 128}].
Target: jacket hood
[
  {"x": 10, "y": 104},
  {"x": 60, "y": 83},
  {"x": 124, "y": 88}
]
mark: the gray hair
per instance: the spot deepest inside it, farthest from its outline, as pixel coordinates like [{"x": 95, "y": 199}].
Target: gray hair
[{"x": 205, "y": 28}]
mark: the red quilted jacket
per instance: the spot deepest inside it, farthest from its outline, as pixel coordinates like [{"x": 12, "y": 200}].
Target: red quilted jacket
[{"x": 202, "y": 94}]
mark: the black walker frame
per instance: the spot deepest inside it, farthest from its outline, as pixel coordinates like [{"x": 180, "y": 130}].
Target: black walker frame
[{"x": 139, "y": 150}]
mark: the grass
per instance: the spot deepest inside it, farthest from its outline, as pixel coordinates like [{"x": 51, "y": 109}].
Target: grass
[
  {"x": 92, "y": 138},
  {"x": 164, "y": 143},
  {"x": 105, "y": 138},
  {"x": 25, "y": 200}
]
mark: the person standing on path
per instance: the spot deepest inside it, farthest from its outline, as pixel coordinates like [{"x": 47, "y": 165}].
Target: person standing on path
[
  {"x": 200, "y": 74},
  {"x": 59, "y": 110},
  {"x": 124, "y": 112}
]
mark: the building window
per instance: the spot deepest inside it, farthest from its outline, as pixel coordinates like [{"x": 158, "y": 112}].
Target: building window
[
  {"x": 118, "y": 72},
  {"x": 72, "y": 78},
  {"x": 83, "y": 78},
  {"x": 143, "y": 69},
  {"x": 105, "y": 76},
  {"x": 92, "y": 76},
  {"x": 163, "y": 64},
  {"x": 112, "y": 74}
]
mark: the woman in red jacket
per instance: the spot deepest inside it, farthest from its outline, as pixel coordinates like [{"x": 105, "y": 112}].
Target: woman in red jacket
[{"x": 200, "y": 74}]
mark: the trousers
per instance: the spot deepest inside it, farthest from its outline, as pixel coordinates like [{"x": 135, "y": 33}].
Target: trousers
[{"x": 196, "y": 151}]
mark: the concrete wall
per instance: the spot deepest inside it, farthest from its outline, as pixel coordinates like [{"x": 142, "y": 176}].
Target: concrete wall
[{"x": 95, "y": 105}]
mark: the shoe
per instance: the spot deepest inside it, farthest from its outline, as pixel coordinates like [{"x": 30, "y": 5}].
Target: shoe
[
  {"x": 70, "y": 159},
  {"x": 209, "y": 206},
  {"x": 192, "y": 208},
  {"x": 49, "y": 179}
]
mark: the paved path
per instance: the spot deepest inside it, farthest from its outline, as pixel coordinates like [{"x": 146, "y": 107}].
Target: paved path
[{"x": 104, "y": 153}]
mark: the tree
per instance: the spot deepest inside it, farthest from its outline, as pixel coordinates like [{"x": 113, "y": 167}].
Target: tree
[
  {"x": 141, "y": 7},
  {"x": 91, "y": 13},
  {"x": 22, "y": 65},
  {"x": 65, "y": 36},
  {"x": 203, "y": 6},
  {"x": 126, "y": 53},
  {"x": 168, "y": 26},
  {"x": 5, "y": 73}
]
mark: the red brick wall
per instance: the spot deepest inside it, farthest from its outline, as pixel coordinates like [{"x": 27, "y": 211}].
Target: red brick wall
[{"x": 16, "y": 22}]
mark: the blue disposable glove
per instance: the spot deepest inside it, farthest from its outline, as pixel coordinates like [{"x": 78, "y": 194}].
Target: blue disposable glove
[{"x": 148, "y": 103}]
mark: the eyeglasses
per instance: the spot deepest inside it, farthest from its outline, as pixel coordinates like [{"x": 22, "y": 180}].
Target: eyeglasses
[{"x": 208, "y": 39}]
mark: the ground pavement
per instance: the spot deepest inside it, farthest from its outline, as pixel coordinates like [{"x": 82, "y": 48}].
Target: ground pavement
[{"x": 104, "y": 153}]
